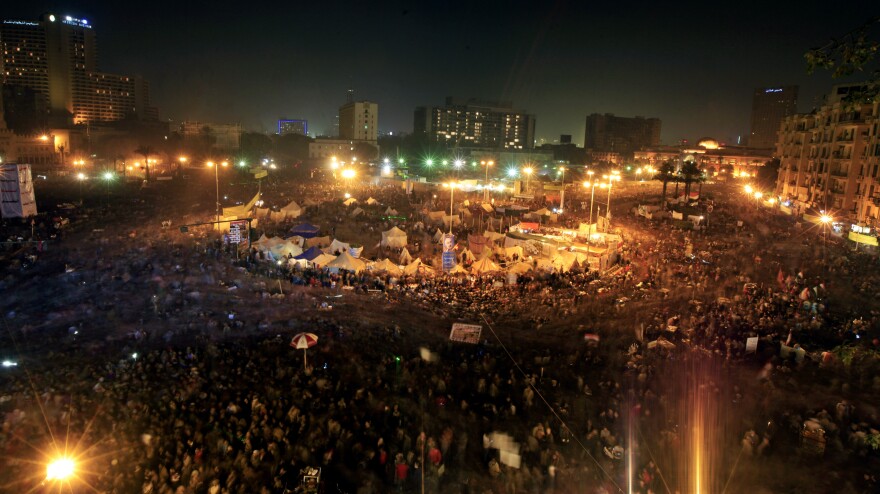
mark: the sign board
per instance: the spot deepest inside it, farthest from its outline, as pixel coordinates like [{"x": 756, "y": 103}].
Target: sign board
[
  {"x": 465, "y": 333},
  {"x": 261, "y": 174},
  {"x": 238, "y": 231},
  {"x": 448, "y": 260},
  {"x": 752, "y": 344}
]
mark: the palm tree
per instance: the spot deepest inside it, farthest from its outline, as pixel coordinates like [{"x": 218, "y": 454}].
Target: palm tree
[
  {"x": 690, "y": 173},
  {"x": 665, "y": 174},
  {"x": 146, "y": 152}
]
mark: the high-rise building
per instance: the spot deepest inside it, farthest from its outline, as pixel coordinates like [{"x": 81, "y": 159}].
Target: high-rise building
[
  {"x": 769, "y": 106},
  {"x": 359, "y": 121},
  {"x": 830, "y": 160},
  {"x": 621, "y": 135},
  {"x": 475, "y": 123},
  {"x": 57, "y": 57},
  {"x": 293, "y": 126}
]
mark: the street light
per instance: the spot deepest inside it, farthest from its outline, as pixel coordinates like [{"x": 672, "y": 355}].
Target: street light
[
  {"x": 80, "y": 177},
  {"x": 592, "y": 186},
  {"x": 487, "y": 164},
  {"x": 349, "y": 173},
  {"x": 562, "y": 193},
  {"x": 217, "y": 187},
  {"x": 60, "y": 469},
  {"x": 611, "y": 178},
  {"x": 825, "y": 219},
  {"x": 451, "y": 186}
]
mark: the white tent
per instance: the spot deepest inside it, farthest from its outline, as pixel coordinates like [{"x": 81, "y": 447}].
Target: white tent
[
  {"x": 438, "y": 236},
  {"x": 520, "y": 268},
  {"x": 395, "y": 237},
  {"x": 468, "y": 255},
  {"x": 390, "y": 212},
  {"x": 336, "y": 246},
  {"x": 356, "y": 251},
  {"x": 387, "y": 266},
  {"x": 454, "y": 219},
  {"x": 415, "y": 267},
  {"x": 372, "y": 202},
  {"x": 347, "y": 262},
  {"x": 310, "y": 202},
  {"x": 262, "y": 212},
  {"x": 323, "y": 260},
  {"x": 405, "y": 257},
  {"x": 285, "y": 249},
  {"x": 317, "y": 241},
  {"x": 349, "y": 201},
  {"x": 458, "y": 269},
  {"x": 484, "y": 266},
  {"x": 510, "y": 251},
  {"x": 544, "y": 264},
  {"x": 357, "y": 212},
  {"x": 436, "y": 216},
  {"x": 292, "y": 210},
  {"x": 466, "y": 212}
]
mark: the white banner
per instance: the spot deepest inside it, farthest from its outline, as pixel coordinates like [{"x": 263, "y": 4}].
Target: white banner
[
  {"x": 465, "y": 333},
  {"x": 16, "y": 191}
]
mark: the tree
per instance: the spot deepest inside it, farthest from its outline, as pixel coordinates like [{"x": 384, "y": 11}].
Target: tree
[
  {"x": 665, "y": 174},
  {"x": 690, "y": 173},
  {"x": 255, "y": 145},
  {"x": 365, "y": 151},
  {"x": 854, "y": 52},
  {"x": 146, "y": 152}
]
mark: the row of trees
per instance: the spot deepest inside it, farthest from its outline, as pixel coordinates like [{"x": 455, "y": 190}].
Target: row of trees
[{"x": 689, "y": 173}]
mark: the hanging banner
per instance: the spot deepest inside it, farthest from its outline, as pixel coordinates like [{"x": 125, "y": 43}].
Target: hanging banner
[
  {"x": 237, "y": 231},
  {"x": 752, "y": 344},
  {"x": 465, "y": 333},
  {"x": 16, "y": 191}
]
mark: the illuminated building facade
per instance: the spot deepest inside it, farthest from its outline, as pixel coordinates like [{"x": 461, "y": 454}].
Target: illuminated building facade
[
  {"x": 770, "y": 105},
  {"x": 829, "y": 160},
  {"x": 293, "y": 126},
  {"x": 472, "y": 123},
  {"x": 359, "y": 121},
  {"x": 57, "y": 57},
  {"x": 621, "y": 135}
]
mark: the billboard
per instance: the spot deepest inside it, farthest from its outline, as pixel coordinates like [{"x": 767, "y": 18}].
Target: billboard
[
  {"x": 465, "y": 333},
  {"x": 16, "y": 191}
]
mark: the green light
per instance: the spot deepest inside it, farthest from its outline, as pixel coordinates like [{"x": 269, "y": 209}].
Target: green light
[
  {"x": 397, "y": 358},
  {"x": 444, "y": 162},
  {"x": 400, "y": 161},
  {"x": 429, "y": 162}
]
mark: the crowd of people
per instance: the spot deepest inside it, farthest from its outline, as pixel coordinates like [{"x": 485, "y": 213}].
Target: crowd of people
[{"x": 192, "y": 386}]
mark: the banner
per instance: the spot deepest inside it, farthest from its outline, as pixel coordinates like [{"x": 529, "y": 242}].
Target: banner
[
  {"x": 16, "y": 191},
  {"x": 465, "y": 333},
  {"x": 238, "y": 230},
  {"x": 752, "y": 344}
]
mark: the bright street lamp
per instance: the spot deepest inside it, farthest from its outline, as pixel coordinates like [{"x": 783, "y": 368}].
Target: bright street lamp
[
  {"x": 452, "y": 186},
  {"x": 348, "y": 173},
  {"x": 592, "y": 186},
  {"x": 217, "y": 187},
  {"x": 528, "y": 171},
  {"x": 562, "y": 193},
  {"x": 60, "y": 469},
  {"x": 487, "y": 164}
]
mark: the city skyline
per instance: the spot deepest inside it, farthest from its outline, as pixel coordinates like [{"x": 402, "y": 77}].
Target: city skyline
[{"x": 691, "y": 67}]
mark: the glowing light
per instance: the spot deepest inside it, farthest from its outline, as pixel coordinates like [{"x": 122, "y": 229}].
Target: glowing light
[
  {"x": 9, "y": 363},
  {"x": 386, "y": 170},
  {"x": 528, "y": 170},
  {"x": 429, "y": 162},
  {"x": 182, "y": 159},
  {"x": 108, "y": 176},
  {"x": 347, "y": 195},
  {"x": 210, "y": 164},
  {"x": 348, "y": 173},
  {"x": 512, "y": 172},
  {"x": 60, "y": 469},
  {"x": 825, "y": 219},
  {"x": 759, "y": 195},
  {"x": 458, "y": 163},
  {"x": 748, "y": 189},
  {"x": 242, "y": 164},
  {"x": 386, "y": 161},
  {"x": 44, "y": 138}
]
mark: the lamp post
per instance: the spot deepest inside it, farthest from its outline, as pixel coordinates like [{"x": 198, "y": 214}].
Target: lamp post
[
  {"x": 592, "y": 186},
  {"x": 80, "y": 177},
  {"x": 108, "y": 177},
  {"x": 211, "y": 164},
  {"x": 825, "y": 219},
  {"x": 451, "y": 186},
  {"x": 528, "y": 171},
  {"x": 611, "y": 178},
  {"x": 487, "y": 164},
  {"x": 562, "y": 193}
]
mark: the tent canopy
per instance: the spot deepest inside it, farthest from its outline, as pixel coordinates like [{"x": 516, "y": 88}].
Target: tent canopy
[
  {"x": 484, "y": 265},
  {"x": 347, "y": 262},
  {"x": 372, "y": 202},
  {"x": 405, "y": 257},
  {"x": 387, "y": 266},
  {"x": 395, "y": 237},
  {"x": 310, "y": 254},
  {"x": 292, "y": 210},
  {"x": 337, "y": 246},
  {"x": 349, "y": 201},
  {"x": 318, "y": 241},
  {"x": 305, "y": 230},
  {"x": 323, "y": 260}
]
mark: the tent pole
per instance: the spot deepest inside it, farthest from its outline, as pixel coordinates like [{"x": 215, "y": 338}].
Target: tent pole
[{"x": 305, "y": 360}]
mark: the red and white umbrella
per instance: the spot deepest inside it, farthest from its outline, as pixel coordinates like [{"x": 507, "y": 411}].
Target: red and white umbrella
[{"x": 303, "y": 341}]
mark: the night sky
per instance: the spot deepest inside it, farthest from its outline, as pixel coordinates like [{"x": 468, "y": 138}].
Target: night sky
[{"x": 694, "y": 65}]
